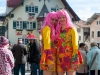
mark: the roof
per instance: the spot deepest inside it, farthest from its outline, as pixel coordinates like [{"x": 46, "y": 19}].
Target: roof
[
  {"x": 70, "y": 10},
  {"x": 13, "y": 3},
  {"x": 92, "y": 18},
  {"x": 82, "y": 24},
  {"x": 20, "y": 3},
  {"x": 43, "y": 10}
]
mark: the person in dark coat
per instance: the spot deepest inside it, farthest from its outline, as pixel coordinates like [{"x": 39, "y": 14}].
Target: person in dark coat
[
  {"x": 34, "y": 56},
  {"x": 19, "y": 52}
]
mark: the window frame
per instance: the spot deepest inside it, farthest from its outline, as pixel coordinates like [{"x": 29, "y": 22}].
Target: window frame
[
  {"x": 98, "y": 34},
  {"x": 79, "y": 38},
  {"x": 40, "y": 25},
  {"x": 97, "y": 22},
  {"x": 31, "y": 9},
  {"x": 78, "y": 29},
  {"x": 18, "y": 25},
  {"x": 92, "y": 34},
  {"x": 29, "y": 26}
]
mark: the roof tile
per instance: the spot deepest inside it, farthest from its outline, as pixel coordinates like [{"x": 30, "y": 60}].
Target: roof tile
[{"x": 13, "y": 3}]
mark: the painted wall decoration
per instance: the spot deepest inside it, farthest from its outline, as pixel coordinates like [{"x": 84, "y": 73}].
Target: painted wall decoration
[
  {"x": 29, "y": 32},
  {"x": 31, "y": 16},
  {"x": 18, "y": 33}
]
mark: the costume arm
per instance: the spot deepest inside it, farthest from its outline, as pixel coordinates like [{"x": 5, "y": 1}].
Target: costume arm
[
  {"x": 47, "y": 55},
  {"x": 46, "y": 37},
  {"x": 75, "y": 45}
]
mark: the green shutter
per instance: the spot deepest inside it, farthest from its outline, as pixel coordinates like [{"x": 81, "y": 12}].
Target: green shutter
[
  {"x": 14, "y": 24},
  {"x": 27, "y": 8},
  {"x": 24, "y": 24},
  {"x": 3, "y": 29},
  {"x": 52, "y": 9},
  {"x": 36, "y": 9},
  {"x": 11, "y": 15},
  {"x": 34, "y": 25}
]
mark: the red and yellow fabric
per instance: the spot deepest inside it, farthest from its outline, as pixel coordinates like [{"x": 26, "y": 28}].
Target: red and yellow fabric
[
  {"x": 48, "y": 55},
  {"x": 67, "y": 52}
]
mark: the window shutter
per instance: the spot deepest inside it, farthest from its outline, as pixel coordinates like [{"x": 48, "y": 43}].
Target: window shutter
[
  {"x": 24, "y": 24},
  {"x": 11, "y": 15},
  {"x": 52, "y": 9},
  {"x": 36, "y": 9},
  {"x": 3, "y": 29},
  {"x": 27, "y": 8},
  {"x": 34, "y": 25},
  {"x": 14, "y": 24}
]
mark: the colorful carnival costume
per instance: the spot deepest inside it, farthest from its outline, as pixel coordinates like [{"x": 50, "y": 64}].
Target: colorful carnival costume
[
  {"x": 48, "y": 50},
  {"x": 67, "y": 51}
]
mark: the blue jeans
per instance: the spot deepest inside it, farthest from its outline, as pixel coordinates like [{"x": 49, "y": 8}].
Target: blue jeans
[
  {"x": 35, "y": 69},
  {"x": 19, "y": 67}
]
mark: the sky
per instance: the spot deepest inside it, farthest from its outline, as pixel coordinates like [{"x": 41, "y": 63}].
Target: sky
[{"x": 83, "y": 8}]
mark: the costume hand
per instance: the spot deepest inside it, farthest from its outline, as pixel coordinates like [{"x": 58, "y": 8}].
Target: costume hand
[
  {"x": 50, "y": 67},
  {"x": 74, "y": 66}
]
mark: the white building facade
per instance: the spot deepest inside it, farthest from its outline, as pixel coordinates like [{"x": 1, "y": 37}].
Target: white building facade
[{"x": 27, "y": 17}]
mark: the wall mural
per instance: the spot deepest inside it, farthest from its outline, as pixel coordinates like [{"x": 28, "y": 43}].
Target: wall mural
[
  {"x": 19, "y": 33},
  {"x": 31, "y": 16}
]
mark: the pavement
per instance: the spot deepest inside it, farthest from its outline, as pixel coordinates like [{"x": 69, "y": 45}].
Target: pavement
[{"x": 27, "y": 73}]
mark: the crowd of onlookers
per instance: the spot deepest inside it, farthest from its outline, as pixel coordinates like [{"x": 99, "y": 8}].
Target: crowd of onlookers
[
  {"x": 13, "y": 59},
  {"x": 91, "y": 59},
  {"x": 30, "y": 54}
]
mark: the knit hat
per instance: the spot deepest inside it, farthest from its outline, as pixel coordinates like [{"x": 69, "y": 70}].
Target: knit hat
[{"x": 3, "y": 40}]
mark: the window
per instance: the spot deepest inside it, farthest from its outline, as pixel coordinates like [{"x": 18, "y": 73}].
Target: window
[
  {"x": 31, "y": 9},
  {"x": 25, "y": 41},
  {"x": 93, "y": 34},
  {"x": 98, "y": 45},
  {"x": 97, "y": 22},
  {"x": 98, "y": 34},
  {"x": 40, "y": 25},
  {"x": 19, "y": 25},
  {"x": 78, "y": 29},
  {"x": 54, "y": 9},
  {"x": 30, "y": 25},
  {"x": 79, "y": 37}
]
